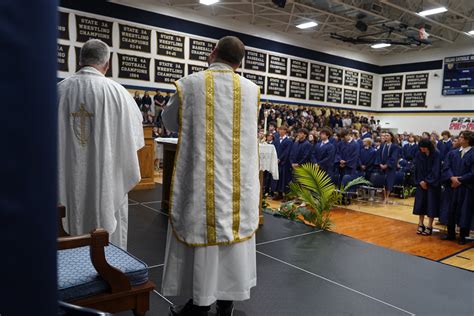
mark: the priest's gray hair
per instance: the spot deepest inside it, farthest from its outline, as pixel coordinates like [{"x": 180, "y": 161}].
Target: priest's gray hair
[{"x": 94, "y": 53}]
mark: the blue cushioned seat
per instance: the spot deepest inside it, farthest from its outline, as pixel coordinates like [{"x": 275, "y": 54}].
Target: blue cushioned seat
[{"x": 77, "y": 277}]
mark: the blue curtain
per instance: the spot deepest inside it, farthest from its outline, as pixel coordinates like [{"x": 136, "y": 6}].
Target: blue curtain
[{"x": 28, "y": 31}]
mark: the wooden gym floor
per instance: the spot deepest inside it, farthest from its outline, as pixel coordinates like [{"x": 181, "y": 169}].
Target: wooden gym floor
[{"x": 392, "y": 226}]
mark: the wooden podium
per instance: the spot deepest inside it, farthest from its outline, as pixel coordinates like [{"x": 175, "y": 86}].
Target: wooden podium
[
  {"x": 169, "y": 153},
  {"x": 146, "y": 157}
]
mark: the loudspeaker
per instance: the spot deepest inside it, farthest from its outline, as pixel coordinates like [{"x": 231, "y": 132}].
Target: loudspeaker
[
  {"x": 361, "y": 26},
  {"x": 280, "y": 3}
]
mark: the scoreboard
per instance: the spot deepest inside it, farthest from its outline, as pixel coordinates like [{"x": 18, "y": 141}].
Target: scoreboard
[{"x": 458, "y": 78}]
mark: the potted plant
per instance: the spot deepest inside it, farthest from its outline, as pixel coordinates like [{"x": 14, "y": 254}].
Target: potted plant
[{"x": 318, "y": 194}]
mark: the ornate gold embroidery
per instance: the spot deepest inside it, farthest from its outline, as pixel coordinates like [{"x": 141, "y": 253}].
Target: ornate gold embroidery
[
  {"x": 210, "y": 190},
  {"x": 83, "y": 134},
  {"x": 236, "y": 157}
]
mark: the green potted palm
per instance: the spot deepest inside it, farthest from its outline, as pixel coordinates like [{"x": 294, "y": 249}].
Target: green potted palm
[{"x": 314, "y": 195}]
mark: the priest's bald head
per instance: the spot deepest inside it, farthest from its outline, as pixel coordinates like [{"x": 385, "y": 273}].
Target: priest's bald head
[
  {"x": 95, "y": 53},
  {"x": 229, "y": 50}
]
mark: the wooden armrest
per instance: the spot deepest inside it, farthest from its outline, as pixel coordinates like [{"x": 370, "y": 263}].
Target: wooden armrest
[
  {"x": 69, "y": 242},
  {"x": 61, "y": 215},
  {"x": 97, "y": 240}
]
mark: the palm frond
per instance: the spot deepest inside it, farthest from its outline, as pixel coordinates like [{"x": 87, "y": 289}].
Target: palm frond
[
  {"x": 356, "y": 182},
  {"x": 313, "y": 178}
]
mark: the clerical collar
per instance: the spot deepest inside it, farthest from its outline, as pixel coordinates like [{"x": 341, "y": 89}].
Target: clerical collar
[
  {"x": 220, "y": 66},
  {"x": 90, "y": 70}
]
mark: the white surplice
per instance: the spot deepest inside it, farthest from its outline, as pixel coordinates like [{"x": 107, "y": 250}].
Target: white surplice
[
  {"x": 100, "y": 131},
  {"x": 214, "y": 198}
]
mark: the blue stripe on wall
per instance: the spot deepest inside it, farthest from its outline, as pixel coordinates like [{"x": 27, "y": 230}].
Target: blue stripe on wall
[{"x": 163, "y": 21}]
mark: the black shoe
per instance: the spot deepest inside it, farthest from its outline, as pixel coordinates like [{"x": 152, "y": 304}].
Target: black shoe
[
  {"x": 224, "y": 308},
  {"x": 428, "y": 231},
  {"x": 421, "y": 229},
  {"x": 462, "y": 241},
  {"x": 448, "y": 237},
  {"x": 189, "y": 309}
]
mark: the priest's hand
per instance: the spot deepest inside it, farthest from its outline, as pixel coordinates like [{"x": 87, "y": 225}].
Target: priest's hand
[
  {"x": 295, "y": 165},
  {"x": 424, "y": 185},
  {"x": 455, "y": 182}
]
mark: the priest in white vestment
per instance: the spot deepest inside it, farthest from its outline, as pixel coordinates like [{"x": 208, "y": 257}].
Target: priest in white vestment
[
  {"x": 215, "y": 191},
  {"x": 100, "y": 131}
]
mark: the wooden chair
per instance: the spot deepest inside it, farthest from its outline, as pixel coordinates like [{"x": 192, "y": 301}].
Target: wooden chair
[{"x": 121, "y": 295}]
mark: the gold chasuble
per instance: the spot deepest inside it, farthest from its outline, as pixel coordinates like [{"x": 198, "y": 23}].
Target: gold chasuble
[{"x": 215, "y": 187}]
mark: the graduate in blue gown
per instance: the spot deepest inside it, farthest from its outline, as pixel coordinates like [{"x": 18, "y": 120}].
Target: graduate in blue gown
[
  {"x": 284, "y": 165},
  {"x": 367, "y": 156},
  {"x": 447, "y": 143},
  {"x": 357, "y": 139},
  {"x": 324, "y": 152},
  {"x": 428, "y": 185},
  {"x": 364, "y": 132},
  {"x": 461, "y": 173},
  {"x": 347, "y": 155},
  {"x": 438, "y": 144},
  {"x": 272, "y": 129},
  {"x": 410, "y": 149},
  {"x": 387, "y": 161},
  {"x": 301, "y": 149},
  {"x": 446, "y": 190}
]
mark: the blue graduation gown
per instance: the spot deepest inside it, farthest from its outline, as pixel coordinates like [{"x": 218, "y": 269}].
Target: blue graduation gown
[
  {"x": 462, "y": 202},
  {"x": 366, "y": 135},
  {"x": 409, "y": 151},
  {"x": 440, "y": 146},
  {"x": 301, "y": 152},
  {"x": 276, "y": 139},
  {"x": 350, "y": 153},
  {"x": 284, "y": 165},
  {"x": 324, "y": 156},
  {"x": 388, "y": 155},
  {"x": 428, "y": 169},
  {"x": 367, "y": 159},
  {"x": 446, "y": 190},
  {"x": 447, "y": 147}
]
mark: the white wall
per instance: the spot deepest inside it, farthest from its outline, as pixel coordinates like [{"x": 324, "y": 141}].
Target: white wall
[
  {"x": 418, "y": 123},
  {"x": 427, "y": 55},
  {"x": 435, "y": 101}
]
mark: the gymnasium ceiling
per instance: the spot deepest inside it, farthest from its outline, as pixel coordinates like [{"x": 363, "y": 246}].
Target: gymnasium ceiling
[{"x": 340, "y": 16}]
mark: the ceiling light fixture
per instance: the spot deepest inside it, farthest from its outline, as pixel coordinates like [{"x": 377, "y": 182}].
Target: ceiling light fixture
[
  {"x": 381, "y": 45},
  {"x": 306, "y": 25},
  {"x": 433, "y": 11},
  {"x": 208, "y": 2}
]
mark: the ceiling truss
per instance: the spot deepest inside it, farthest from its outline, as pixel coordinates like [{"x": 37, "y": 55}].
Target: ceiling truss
[{"x": 340, "y": 16}]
